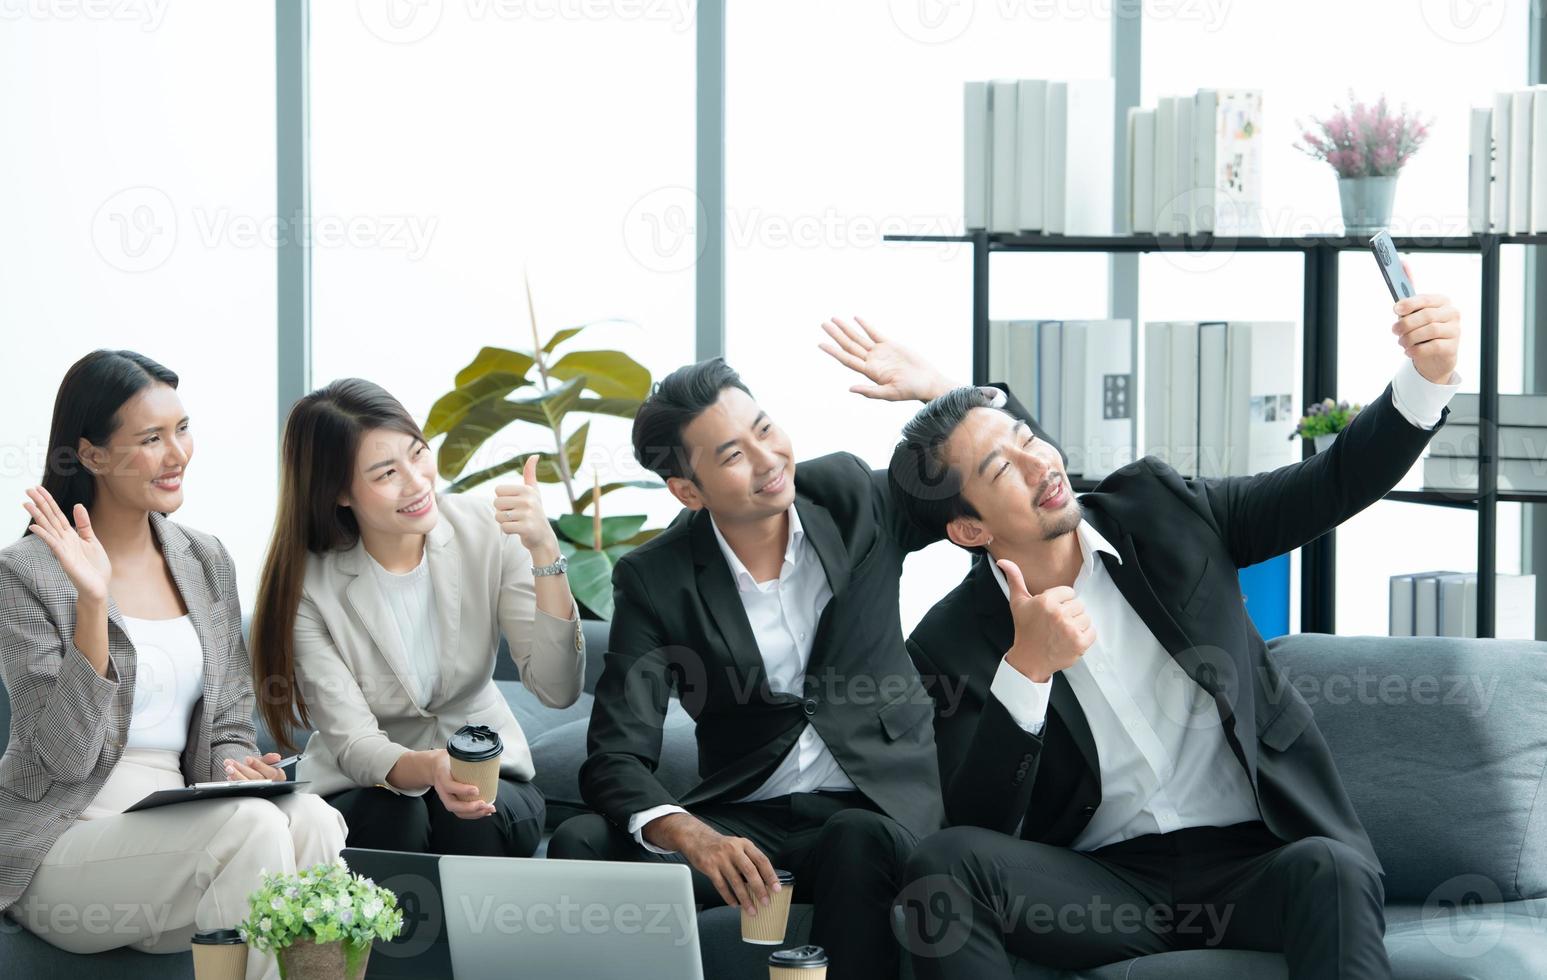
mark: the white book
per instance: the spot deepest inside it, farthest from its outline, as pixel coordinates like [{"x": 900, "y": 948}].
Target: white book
[
  {"x": 1213, "y": 387},
  {"x": 1183, "y": 397},
  {"x": 1205, "y": 111},
  {"x": 1054, "y": 184},
  {"x": 1460, "y": 473},
  {"x": 1512, "y": 441},
  {"x": 1480, "y": 169},
  {"x": 1233, "y": 190},
  {"x": 1072, "y": 413},
  {"x": 1531, "y": 410},
  {"x": 1106, "y": 400},
  {"x": 1156, "y": 382},
  {"x": 1050, "y": 336},
  {"x": 1003, "y": 208},
  {"x": 1539, "y": 161},
  {"x": 1020, "y": 371},
  {"x": 1457, "y": 605},
  {"x": 1498, "y": 203},
  {"x": 1141, "y": 170},
  {"x": 1514, "y": 607},
  {"x": 1088, "y": 168},
  {"x": 1400, "y": 606},
  {"x": 1426, "y": 603},
  {"x": 1520, "y": 120},
  {"x": 1262, "y": 370},
  {"x": 1031, "y": 158},
  {"x": 998, "y": 354},
  {"x": 975, "y": 159},
  {"x": 1165, "y": 161},
  {"x": 1180, "y": 208}
]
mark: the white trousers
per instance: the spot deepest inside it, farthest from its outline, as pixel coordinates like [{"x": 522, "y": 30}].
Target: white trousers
[{"x": 152, "y": 879}]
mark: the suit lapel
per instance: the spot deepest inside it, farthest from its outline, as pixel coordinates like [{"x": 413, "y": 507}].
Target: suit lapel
[
  {"x": 999, "y": 627},
  {"x": 718, "y": 590},
  {"x": 365, "y": 599},
  {"x": 443, "y": 555},
  {"x": 823, "y": 534}
]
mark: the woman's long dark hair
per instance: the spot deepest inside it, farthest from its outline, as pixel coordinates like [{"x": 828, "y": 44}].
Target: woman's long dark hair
[
  {"x": 317, "y": 465},
  {"x": 90, "y": 396}
]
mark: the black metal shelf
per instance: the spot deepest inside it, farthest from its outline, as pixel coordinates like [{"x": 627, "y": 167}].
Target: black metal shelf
[{"x": 1320, "y": 253}]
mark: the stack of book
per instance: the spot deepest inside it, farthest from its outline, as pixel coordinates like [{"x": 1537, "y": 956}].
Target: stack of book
[
  {"x": 1451, "y": 463},
  {"x": 1507, "y": 166},
  {"x": 1218, "y": 396},
  {"x": 1077, "y": 378},
  {"x": 1445, "y": 604},
  {"x": 1195, "y": 164},
  {"x": 1039, "y": 156}
]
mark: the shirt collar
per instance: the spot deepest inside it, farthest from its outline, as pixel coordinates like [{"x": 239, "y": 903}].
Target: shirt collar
[
  {"x": 744, "y": 580},
  {"x": 1091, "y": 541}
]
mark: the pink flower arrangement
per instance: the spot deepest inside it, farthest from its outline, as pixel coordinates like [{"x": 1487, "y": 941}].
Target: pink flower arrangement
[{"x": 1365, "y": 140}]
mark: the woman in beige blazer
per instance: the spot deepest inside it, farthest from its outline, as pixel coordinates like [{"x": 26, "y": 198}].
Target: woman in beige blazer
[
  {"x": 121, "y": 649},
  {"x": 379, "y": 617}
]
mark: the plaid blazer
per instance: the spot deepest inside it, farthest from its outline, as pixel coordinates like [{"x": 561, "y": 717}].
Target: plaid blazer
[{"x": 69, "y": 724}]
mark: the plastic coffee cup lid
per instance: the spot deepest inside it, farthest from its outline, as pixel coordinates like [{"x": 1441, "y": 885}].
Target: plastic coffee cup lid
[
  {"x": 785, "y": 877},
  {"x": 218, "y": 937},
  {"x": 799, "y": 958},
  {"x": 475, "y": 743}
]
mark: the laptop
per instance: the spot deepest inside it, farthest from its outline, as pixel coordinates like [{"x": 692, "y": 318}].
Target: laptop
[
  {"x": 570, "y": 920},
  {"x": 421, "y": 949}
]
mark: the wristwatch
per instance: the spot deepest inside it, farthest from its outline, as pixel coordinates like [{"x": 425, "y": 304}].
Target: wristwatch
[{"x": 557, "y": 568}]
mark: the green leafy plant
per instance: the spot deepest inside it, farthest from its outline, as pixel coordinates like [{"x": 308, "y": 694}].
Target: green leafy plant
[
  {"x": 1324, "y": 418},
  {"x": 325, "y": 903},
  {"x": 545, "y": 388}
]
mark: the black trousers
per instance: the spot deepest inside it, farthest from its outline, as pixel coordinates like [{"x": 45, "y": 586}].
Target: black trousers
[
  {"x": 383, "y": 820},
  {"x": 846, "y": 857},
  {"x": 974, "y": 895}
]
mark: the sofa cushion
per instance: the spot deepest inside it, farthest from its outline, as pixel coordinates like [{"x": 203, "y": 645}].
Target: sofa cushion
[
  {"x": 559, "y": 753},
  {"x": 1442, "y": 745}
]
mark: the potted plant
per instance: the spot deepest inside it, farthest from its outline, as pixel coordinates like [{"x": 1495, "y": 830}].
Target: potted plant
[
  {"x": 1323, "y": 420},
  {"x": 1367, "y": 146},
  {"x": 503, "y": 386},
  {"x": 320, "y": 921}
]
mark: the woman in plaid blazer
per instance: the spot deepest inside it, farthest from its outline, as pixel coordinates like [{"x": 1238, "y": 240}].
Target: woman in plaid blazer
[{"x": 121, "y": 649}]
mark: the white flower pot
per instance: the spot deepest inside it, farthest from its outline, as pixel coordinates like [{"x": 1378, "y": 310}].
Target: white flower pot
[
  {"x": 1323, "y": 443},
  {"x": 1366, "y": 203}
]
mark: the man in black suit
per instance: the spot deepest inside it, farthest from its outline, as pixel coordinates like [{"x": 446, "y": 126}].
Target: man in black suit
[
  {"x": 1128, "y": 772},
  {"x": 770, "y": 606}
]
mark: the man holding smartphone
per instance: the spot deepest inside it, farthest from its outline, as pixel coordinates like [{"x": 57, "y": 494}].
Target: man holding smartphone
[{"x": 1129, "y": 772}]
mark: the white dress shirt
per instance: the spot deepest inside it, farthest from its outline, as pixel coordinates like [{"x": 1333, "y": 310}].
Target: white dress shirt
[
  {"x": 783, "y": 614},
  {"x": 1165, "y": 762},
  {"x": 168, "y": 682}
]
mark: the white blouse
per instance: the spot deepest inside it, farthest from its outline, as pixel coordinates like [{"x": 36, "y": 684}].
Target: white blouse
[
  {"x": 168, "y": 682},
  {"x": 411, "y": 599}
]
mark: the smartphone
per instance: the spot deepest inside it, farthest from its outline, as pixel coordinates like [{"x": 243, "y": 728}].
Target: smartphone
[{"x": 1391, "y": 266}]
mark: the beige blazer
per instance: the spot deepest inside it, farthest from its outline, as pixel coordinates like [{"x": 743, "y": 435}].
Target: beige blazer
[
  {"x": 69, "y": 724},
  {"x": 355, "y": 675}
]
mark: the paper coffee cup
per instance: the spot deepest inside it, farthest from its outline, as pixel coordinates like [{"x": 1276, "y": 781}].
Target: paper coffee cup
[
  {"x": 800, "y": 963},
  {"x": 767, "y": 928},
  {"x": 219, "y": 954},
  {"x": 475, "y": 758}
]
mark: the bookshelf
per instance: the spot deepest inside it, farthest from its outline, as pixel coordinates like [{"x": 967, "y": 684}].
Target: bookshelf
[{"x": 1320, "y": 253}]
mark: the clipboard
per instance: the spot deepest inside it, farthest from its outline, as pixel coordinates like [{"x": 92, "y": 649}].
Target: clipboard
[{"x": 217, "y": 791}]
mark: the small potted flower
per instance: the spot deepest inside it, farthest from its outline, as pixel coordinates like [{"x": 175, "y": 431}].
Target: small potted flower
[
  {"x": 1367, "y": 146},
  {"x": 1323, "y": 420},
  {"x": 320, "y": 921}
]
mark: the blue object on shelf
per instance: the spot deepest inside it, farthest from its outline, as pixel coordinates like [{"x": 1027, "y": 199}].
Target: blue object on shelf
[{"x": 1266, "y": 588}]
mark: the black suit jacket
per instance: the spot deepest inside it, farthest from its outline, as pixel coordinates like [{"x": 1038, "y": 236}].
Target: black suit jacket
[
  {"x": 679, "y": 627},
  {"x": 1181, "y": 542}
]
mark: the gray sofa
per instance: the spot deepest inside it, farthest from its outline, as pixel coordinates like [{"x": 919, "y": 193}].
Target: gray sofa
[{"x": 1442, "y": 744}]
